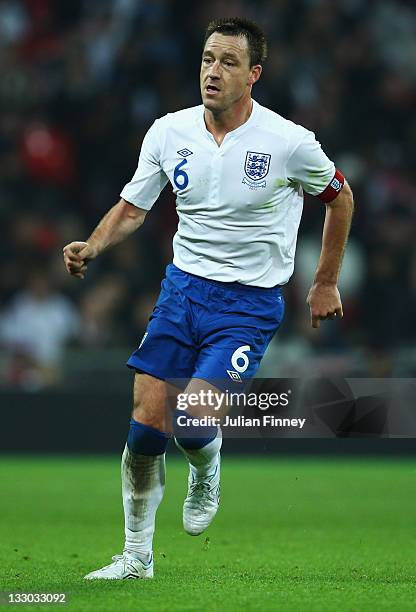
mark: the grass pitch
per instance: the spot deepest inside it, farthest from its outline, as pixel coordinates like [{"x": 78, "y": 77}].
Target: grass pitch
[{"x": 292, "y": 534}]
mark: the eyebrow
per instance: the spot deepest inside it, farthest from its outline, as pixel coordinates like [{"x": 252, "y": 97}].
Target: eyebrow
[{"x": 230, "y": 54}]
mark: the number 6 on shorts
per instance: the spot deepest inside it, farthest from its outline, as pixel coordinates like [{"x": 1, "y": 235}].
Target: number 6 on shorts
[{"x": 240, "y": 355}]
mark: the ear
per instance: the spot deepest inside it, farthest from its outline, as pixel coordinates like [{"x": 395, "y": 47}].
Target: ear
[{"x": 254, "y": 76}]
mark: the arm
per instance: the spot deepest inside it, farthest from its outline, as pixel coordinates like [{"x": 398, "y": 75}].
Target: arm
[
  {"x": 324, "y": 299},
  {"x": 120, "y": 221}
]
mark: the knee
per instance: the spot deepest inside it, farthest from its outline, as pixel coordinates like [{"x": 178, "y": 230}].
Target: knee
[{"x": 149, "y": 416}]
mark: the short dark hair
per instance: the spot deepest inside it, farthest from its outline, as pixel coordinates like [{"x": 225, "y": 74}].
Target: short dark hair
[{"x": 238, "y": 26}]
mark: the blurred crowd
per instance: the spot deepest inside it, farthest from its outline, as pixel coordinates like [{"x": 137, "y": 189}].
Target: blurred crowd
[{"x": 81, "y": 82}]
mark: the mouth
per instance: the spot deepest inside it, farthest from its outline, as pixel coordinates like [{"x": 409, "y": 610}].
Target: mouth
[{"x": 212, "y": 90}]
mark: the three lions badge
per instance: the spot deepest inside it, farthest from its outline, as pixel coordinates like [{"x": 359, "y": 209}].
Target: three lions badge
[{"x": 256, "y": 168}]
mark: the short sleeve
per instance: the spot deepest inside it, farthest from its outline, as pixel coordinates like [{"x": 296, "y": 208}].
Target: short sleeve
[
  {"x": 312, "y": 169},
  {"x": 149, "y": 178}
]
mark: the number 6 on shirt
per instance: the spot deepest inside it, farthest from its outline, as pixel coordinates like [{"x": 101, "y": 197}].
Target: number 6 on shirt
[{"x": 181, "y": 174}]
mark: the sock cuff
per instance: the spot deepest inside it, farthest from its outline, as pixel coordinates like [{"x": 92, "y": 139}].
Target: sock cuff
[
  {"x": 146, "y": 440},
  {"x": 192, "y": 437},
  {"x": 151, "y": 430}
]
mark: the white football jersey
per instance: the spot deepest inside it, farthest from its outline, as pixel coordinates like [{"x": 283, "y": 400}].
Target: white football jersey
[{"x": 239, "y": 204}]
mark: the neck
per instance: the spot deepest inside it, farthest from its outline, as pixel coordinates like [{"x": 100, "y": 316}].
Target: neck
[{"x": 222, "y": 122}]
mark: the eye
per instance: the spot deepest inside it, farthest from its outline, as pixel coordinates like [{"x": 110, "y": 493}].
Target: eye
[
  {"x": 229, "y": 63},
  {"x": 206, "y": 60}
]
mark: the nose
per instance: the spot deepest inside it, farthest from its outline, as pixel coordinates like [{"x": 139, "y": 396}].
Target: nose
[{"x": 213, "y": 71}]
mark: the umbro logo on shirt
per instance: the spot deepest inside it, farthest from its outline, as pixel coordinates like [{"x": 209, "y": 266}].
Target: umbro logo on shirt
[{"x": 184, "y": 152}]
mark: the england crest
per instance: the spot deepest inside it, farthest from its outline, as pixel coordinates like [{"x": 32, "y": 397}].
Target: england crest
[{"x": 257, "y": 167}]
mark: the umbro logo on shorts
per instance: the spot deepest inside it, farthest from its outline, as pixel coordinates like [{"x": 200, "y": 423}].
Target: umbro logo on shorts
[{"x": 234, "y": 375}]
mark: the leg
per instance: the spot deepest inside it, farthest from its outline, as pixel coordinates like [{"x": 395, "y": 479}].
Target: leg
[
  {"x": 143, "y": 464},
  {"x": 166, "y": 352},
  {"x": 233, "y": 343},
  {"x": 143, "y": 480},
  {"x": 201, "y": 446}
]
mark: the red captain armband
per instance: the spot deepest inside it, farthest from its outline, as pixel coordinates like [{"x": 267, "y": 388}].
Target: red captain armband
[{"x": 333, "y": 188}]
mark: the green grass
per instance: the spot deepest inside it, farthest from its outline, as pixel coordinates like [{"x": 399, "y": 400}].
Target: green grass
[{"x": 291, "y": 534}]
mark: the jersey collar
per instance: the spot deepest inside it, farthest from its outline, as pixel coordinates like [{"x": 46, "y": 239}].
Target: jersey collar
[{"x": 230, "y": 135}]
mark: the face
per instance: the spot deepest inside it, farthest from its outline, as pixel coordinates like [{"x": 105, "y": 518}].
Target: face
[{"x": 226, "y": 74}]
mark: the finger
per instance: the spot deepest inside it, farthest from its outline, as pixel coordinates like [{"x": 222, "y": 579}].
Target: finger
[
  {"x": 80, "y": 273},
  {"x": 78, "y": 270},
  {"x": 73, "y": 259},
  {"x": 339, "y": 312},
  {"x": 315, "y": 321},
  {"x": 73, "y": 251},
  {"x": 75, "y": 246},
  {"x": 70, "y": 253},
  {"x": 75, "y": 266}
]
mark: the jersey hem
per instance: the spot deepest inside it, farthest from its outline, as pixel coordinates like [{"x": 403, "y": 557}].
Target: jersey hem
[{"x": 230, "y": 283}]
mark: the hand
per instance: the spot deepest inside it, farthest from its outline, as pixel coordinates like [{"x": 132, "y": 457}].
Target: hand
[
  {"x": 76, "y": 258},
  {"x": 324, "y": 303}
]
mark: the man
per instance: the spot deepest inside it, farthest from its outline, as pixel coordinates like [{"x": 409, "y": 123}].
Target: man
[{"x": 238, "y": 171}]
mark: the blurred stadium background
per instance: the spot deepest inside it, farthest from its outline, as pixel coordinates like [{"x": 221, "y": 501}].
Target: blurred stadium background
[{"x": 81, "y": 82}]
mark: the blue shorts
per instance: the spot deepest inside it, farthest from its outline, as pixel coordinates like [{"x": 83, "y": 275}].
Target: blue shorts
[{"x": 208, "y": 329}]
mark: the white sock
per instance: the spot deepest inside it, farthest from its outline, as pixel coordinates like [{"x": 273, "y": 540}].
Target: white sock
[
  {"x": 143, "y": 484},
  {"x": 203, "y": 461}
]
